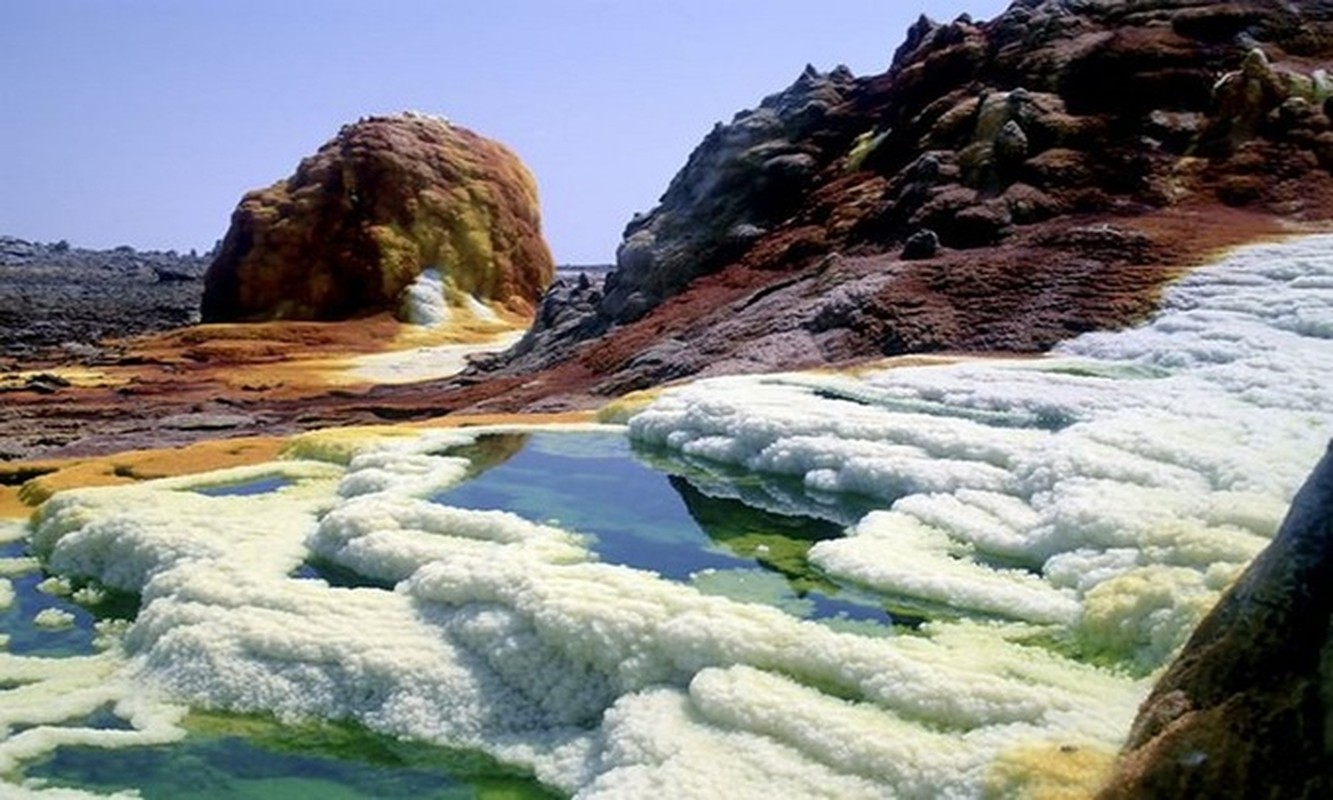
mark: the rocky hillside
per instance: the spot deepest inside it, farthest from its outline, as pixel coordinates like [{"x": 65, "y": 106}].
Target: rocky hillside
[
  {"x": 1001, "y": 186},
  {"x": 359, "y": 220}
]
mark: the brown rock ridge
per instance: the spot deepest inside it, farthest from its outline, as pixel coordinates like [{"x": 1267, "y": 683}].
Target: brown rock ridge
[
  {"x": 1247, "y": 708},
  {"x": 1052, "y": 136},
  {"x": 359, "y": 220}
]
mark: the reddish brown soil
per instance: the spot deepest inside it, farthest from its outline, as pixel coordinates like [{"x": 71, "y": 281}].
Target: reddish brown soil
[{"x": 215, "y": 382}]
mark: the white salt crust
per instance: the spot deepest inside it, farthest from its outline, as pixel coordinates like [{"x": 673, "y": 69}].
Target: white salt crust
[{"x": 1103, "y": 497}]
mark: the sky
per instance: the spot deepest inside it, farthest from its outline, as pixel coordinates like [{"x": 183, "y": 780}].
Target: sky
[{"x": 142, "y": 122}]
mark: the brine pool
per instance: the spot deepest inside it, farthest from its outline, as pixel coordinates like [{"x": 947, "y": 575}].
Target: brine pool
[
  {"x": 233, "y": 757},
  {"x": 683, "y": 521},
  {"x": 648, "y": 510}
]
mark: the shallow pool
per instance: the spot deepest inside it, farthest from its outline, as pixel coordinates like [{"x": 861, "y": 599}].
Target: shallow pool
[
  {"x": 243, "y": 758},
  {"x": 261, "y": 485},
  {"x": 682, "y": 521},
  {"x": 224, "y": 757},
  {"x": 742, "y": 536}
]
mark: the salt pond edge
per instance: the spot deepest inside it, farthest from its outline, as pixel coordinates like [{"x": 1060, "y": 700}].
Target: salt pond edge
[{"x": 1122, "y": 484}]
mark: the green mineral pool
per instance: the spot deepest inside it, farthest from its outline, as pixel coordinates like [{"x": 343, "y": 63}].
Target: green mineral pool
[
  {"x": 683, "y": 521},
  {"x": 723, "y": 533},
  {"x": 244, "y": 758}
]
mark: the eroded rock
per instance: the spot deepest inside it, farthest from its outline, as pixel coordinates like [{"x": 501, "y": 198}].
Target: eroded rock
[
  {"x": 743, "y": 178},
  {"x": 385, "y": 199}
]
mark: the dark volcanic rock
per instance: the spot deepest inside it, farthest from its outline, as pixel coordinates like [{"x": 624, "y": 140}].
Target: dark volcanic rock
[
  {"x": 1016, "y": 133},
  {"x": 569, "y": 313},
  {"x": 383, "y": 200},
  {"x": 922, "y": 244},
  {"x": 743, "y": 178},
  {"x": 1247, "y": 708},
  {"x": 57, "y": 301}
]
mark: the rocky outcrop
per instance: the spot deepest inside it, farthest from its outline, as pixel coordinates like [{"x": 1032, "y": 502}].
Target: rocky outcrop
[
  {"x": 1247, "y": 708},
  {"x": 569, "y": 314},
  {"x": 1024, "y": 135},
  {"x": 1061, "y": 107},
  {"x": 385, "y": 199},
  {"x": 742, "y": 180}
]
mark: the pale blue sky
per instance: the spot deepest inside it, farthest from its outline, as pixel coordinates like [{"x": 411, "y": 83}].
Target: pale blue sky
[{"x": 142, "y": 122}]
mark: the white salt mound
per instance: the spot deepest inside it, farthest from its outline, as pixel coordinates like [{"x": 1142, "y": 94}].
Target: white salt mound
[{"x": 423, "y": 301}]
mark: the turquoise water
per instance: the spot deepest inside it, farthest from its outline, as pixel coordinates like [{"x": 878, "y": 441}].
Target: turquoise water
[
  {"x": 263, "y": 761},
  {"x": 650, "y": 512},
  {"x": 28, "y": 638},
  {"x": 727, "y": 534},
  {"x": 261, "y": 485}
]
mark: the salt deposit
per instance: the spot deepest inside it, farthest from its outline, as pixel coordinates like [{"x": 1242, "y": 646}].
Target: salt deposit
[
  {"x": 53, "y": 618},
  {"x": 1078, "y": 514},
  {"x": 431, "y": 302},
  {"x": 1134, "y": 473},
  {"x": 48, "y": 693},
  {"x": 423, "y": 300},
  {"x": 422, "y": 363}
]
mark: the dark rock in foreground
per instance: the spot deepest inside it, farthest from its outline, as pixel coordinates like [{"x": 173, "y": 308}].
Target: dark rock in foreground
[{"x": 1247, "y": 708}]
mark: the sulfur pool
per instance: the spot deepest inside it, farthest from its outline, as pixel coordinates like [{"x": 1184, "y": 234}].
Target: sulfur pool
[
  {"x": 722, "y": 532},
  {"x": 686, "y": 522},
  {"x": 223, "y": 756}
]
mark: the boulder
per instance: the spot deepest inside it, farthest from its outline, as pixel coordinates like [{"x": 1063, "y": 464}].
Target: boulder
[
  {"x": 922, "y": 244},
  {"x": 361, "y": 219},
  {"x": 1247, "y": 708}
]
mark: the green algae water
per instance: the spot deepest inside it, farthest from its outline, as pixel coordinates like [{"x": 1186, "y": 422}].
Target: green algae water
[
  {"x": 247, "y": 758},
  {"x": 682, "y": 521},
  {"x": 722, "y": 532},
  {"x": 233, "y": 757}
]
